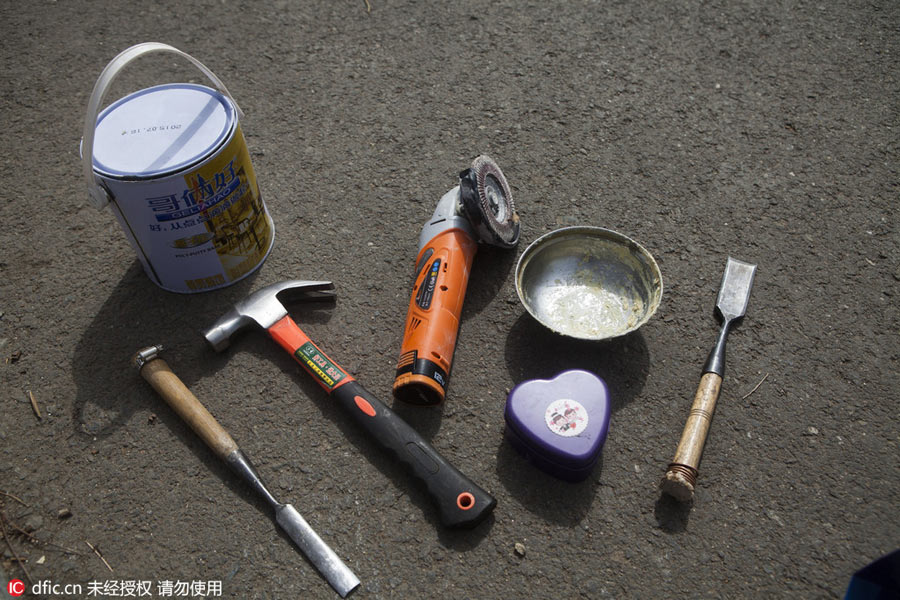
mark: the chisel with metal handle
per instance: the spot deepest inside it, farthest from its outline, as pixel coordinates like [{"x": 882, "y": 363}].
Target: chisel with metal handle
[
  {"x": 734, "y": 294},
  {"x": 157, "y": 372}
]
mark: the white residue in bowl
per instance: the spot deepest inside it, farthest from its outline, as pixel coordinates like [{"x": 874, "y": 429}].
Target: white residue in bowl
[{"x": 588, "y": 311}]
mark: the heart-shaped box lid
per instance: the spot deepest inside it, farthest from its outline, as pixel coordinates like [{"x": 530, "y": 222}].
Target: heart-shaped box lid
[{"x": 563, "y": 420}]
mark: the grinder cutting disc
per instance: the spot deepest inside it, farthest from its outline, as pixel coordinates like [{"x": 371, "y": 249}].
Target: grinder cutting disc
[{"x": 487, "y": 203}]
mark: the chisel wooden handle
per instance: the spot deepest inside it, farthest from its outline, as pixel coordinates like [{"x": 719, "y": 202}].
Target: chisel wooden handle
[
  {"x": 159, "y": 375},
  {"x": 683, "y": 470}
]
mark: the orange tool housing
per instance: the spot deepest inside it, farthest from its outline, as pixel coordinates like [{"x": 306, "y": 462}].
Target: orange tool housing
[
  {"x": 432, "y": 322},
  {"x": 479, "y": 209}
]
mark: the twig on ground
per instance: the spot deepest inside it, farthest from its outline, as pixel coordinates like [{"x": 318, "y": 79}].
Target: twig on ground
[
  {"x": 35, "y": 540},
  {"x": 16, "y": 498},
  {"x": 13, "y": 550},
  {"x": 368, "y": 6},
  {"x": 34, "y": 406},
  {"x": 97, "y": 552},
  {"x": 756, "y": 387}
]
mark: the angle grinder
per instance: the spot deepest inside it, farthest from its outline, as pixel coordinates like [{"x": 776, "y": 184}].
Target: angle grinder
[{"x": 479, "y": 209}]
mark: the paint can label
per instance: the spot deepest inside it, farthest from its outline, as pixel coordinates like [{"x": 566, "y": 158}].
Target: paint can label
[{"x": 201, "y": 229}]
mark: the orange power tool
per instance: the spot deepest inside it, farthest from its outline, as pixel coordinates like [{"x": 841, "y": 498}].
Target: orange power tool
[{"x": 479, "y": 209}]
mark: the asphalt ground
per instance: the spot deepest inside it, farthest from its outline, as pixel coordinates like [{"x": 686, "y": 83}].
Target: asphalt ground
[{"x": 766, "y": 131}]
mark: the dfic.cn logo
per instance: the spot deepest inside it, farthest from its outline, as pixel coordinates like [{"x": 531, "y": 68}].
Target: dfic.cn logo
[{"x": 15, "y": 587}]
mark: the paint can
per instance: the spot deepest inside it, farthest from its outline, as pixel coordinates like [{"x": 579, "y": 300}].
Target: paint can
[{"x": 172, "y": 162}]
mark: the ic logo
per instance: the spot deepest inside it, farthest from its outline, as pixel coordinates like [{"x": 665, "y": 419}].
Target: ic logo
[{"x": 15, "y": 587}]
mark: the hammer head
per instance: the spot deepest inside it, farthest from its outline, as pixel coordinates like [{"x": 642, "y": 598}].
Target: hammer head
[{"x": 264, "y": 308}]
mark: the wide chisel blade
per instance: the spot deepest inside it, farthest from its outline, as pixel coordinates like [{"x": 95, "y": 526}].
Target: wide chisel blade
[{"x": 734, "y": 293}]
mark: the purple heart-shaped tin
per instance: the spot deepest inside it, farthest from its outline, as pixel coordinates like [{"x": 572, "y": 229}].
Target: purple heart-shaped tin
[{"x": 560, "y": 424}]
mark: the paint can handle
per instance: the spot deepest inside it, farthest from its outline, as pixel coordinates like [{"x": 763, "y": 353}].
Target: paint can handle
[{"x": 98, "y": 195}]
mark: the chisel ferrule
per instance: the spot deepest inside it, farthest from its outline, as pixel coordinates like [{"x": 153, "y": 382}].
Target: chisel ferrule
[
  {"x": 715, "y": 363},
  {"x": 240, "y": 464}
]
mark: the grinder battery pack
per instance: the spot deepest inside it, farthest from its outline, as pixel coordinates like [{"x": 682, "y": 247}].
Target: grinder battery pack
[{"x": 479, "y": 209}]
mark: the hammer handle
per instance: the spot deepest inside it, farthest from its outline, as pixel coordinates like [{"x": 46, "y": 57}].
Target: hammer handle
[
  {"x": 461, "y": 502},
  {"x": 158, "y": 373}
]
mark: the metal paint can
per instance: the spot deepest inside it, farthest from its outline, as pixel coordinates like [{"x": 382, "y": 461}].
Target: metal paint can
[{"x": 172, "y": 162}]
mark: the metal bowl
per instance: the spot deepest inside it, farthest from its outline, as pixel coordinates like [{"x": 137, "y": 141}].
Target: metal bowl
[{"x": 588, "y": 282}]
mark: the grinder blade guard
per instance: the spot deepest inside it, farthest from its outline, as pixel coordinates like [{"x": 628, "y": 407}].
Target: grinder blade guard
[{"x": 479, "y": 209}]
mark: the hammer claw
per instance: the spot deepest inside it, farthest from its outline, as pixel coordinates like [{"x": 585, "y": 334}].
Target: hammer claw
[{"x": 264, "y": 308}]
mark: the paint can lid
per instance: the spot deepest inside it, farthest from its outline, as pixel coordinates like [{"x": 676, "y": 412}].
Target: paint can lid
[{"x": 161, "y": 130}]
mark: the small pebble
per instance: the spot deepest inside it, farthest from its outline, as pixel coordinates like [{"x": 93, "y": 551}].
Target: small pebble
[
  {"x": 33, "y": 523},
  {"x": 520, "y": 549},
  {"x": 63, "y": 513}
]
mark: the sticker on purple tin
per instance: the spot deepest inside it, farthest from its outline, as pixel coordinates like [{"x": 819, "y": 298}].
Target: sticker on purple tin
[
  {"x": 566, "y": 417},
  {"x": 560, "y": 424}
]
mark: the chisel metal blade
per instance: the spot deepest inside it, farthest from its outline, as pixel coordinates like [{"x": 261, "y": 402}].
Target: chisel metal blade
[
  {"x": 734, "y": 293},
  {"x": 319, "y": 554}
]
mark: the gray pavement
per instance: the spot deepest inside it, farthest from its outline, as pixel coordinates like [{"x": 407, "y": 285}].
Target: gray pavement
[{"x": 762, "y": 130}]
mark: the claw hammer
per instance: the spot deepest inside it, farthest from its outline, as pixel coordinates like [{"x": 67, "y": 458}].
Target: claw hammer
[{"x": 460, "y": 502}]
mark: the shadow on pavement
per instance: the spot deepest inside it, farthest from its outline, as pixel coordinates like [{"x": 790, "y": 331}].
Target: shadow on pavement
[
  {"x": 490, "y": 271},
  {"x": 671, "y": 514},
  {"x": 138, "y": 314}
]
